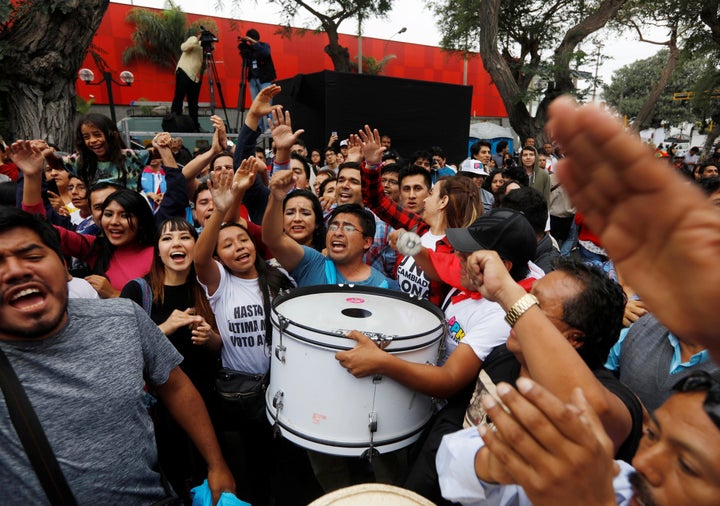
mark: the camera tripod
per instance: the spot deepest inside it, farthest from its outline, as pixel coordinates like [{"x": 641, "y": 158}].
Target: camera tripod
[
  {"x": 211, "y": 69},
  {"x": 244, "y": 73}
]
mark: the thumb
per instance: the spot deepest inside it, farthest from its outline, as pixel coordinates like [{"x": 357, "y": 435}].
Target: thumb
[{"x": 358, "y": 336}]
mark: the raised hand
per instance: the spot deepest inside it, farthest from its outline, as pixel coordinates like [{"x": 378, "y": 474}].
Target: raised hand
[
  {"x": 282, "y": 132},
  {"x": 29, "y": 157},
  {"x": 487, "y": 274},
  {"x": 220, "y": 186},
  {"x": 371, "y": 147},
  {"x": 245, "y": 175},
  {"x": 354, "y": 149},
  {"x": 661, "y": 232},
  {"x": 162, "y": 140},
  {"x": 281, "y": 183},
  {"x": 262, "y": 105},
  {"x": 219, "y": 142}
]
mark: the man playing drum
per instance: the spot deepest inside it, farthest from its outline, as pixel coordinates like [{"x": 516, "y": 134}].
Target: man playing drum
[{"x": 350, "y": 232}]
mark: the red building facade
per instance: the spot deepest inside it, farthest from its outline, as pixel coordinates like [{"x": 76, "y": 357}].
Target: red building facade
[{"x": 297, "y": 55}]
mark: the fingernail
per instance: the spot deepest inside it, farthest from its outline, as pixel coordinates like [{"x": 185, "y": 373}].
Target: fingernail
[
  {"x": 524, "y": 385},
  {"x": 503, "y": 389},
  {"x": 489, "y": 402},
  {"x": 482, "y": 430}
]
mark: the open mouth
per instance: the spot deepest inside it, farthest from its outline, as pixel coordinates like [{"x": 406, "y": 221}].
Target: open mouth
[
  {"x": 178, "y": 256},
  {"x": 27, "y": 300}
]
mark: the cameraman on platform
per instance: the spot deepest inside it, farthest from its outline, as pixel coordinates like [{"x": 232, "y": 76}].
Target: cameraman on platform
[
  {"x": 187, "y": 78},
  {"x": 256, "y": 58}
]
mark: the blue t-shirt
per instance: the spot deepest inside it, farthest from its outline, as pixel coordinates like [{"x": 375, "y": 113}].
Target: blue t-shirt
[{"x": 311, "y": 271}]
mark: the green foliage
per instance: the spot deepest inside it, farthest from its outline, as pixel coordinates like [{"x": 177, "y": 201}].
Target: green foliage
[
  {"x": 158, "y": 35},
  {"x": 528, "y": 32},
  {"x": 82, "y": 106},
  {"x": 632, "y": 83},
  {"x": 373, "y": 66},
  {"x": 5, "y": 10},
  {"x": 329, "y": 15}
]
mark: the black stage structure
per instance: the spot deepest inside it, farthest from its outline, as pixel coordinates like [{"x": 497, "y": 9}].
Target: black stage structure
[{"x": 415, "y": 114}]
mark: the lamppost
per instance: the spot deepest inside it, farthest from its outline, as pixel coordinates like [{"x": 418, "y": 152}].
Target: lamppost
[
  {"x": 360, "y": 57},
  {"x": 126, "y": 77},
  {"x": 400, "y": 31}
]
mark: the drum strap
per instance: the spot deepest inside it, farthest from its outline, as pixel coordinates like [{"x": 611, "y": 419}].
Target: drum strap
[{"x": 330, "y": 272}]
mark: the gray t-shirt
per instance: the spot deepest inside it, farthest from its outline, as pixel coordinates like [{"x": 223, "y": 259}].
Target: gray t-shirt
[{"x": 86, "y": 386}]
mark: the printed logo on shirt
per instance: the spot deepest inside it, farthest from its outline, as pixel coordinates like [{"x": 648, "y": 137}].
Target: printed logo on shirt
[
  {"x": 455, "y": 330},
  {"x": 412, "y": 279},
  {"x": 248, "y": 326}
]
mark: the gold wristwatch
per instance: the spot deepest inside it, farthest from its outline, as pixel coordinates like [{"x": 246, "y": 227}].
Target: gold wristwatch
[{"x": 518, "y": 309}]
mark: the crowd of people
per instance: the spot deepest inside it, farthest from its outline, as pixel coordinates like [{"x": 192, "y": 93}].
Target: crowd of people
[{"x": 576, "y": 282}]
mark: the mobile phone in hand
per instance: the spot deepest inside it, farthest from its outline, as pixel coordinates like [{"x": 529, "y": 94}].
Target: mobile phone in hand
[{"x": 53, "y": 187}]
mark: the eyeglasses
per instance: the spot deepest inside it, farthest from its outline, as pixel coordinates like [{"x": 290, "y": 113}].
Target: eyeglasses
[
  {"x": 701, "y": 381},
  {"x": 386, "y": 180},
  {"x": 79, "y": 187},
  {"x": 334, "y": 227}
]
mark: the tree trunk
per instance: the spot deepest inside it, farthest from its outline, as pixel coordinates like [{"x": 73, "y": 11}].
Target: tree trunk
[
  {"x": 339, "y": 55},
  {"x": 45, "y": 49},
  {"x": 500, "y": 71},
  {"x": 711, "y": 136},
  {"x": 647, "y": 108}
]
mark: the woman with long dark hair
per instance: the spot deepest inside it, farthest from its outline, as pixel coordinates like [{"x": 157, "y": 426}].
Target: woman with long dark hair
[
  {"x": 240, "y": 286},
  {"x": 124, "y": 248},
  {"x": 177, "y": 304}
]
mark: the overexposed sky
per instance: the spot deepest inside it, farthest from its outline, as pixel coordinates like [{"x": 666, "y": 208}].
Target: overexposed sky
[{"x": 411, "y": 14}]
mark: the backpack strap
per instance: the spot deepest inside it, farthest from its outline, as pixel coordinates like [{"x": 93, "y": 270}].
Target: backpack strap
[
  {"x": 33, "y": 438},
  {"x": 146, "y": 294}
]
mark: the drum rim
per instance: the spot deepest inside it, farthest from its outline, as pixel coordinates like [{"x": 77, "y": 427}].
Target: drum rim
[
  {"x": 351, "y": 343},
  {"x": 335, "y": 444},
  {"x": 350, "y": 288}
]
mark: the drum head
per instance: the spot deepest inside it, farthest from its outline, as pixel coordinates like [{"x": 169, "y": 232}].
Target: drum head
[
  {"x": 333, "y": 309},
  {"x": 372, "y": 494}
]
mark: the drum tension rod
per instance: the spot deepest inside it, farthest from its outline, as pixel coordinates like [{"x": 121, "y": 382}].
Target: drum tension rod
[
  {"x": 280, "y": 349},
  {"x": 278, "y": 404}
]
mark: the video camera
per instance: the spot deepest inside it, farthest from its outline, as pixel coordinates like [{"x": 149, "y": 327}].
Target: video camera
[
  {"x": 207, "y": 39},
  {"x": 244, "y": 46}
]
